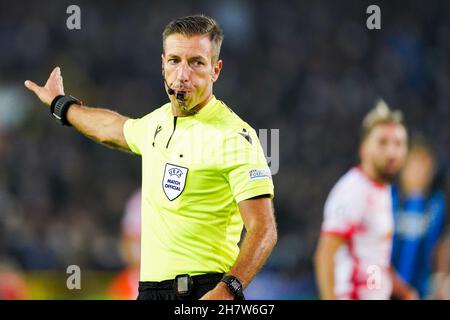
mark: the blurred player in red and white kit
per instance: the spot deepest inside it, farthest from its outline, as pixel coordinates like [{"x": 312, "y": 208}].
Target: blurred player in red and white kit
[
  {"x": 352, "y": 260},
  {"x": 13, "y": 285},
  {"x": 125, "y": 285}
]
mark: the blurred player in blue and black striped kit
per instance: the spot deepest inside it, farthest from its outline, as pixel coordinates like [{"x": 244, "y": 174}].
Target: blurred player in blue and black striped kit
[{"x": 420, "y": 250}]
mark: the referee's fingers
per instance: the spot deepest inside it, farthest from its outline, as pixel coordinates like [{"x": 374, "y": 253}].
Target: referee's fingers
[{"x": 55, "y": 72}]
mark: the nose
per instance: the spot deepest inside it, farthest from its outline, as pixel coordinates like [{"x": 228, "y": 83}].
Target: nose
[
  {"x": 183, "y": 72},
  {"x": 393, "y": 151}
]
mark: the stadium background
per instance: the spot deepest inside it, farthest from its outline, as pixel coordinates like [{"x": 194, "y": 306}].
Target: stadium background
[{"x": 308, "y": 68}]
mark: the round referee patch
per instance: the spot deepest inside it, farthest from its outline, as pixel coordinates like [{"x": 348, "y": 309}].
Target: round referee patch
[{"x": 174, "y": 180}]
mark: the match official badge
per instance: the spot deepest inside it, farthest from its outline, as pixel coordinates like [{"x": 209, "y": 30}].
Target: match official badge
[{"x": 174, "y": 181}]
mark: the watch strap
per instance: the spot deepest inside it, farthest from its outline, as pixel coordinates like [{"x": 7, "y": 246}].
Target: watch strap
[{"x": 235, "y": 286}]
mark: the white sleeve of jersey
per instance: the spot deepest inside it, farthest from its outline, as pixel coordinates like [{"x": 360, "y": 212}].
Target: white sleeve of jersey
[
  {"x": 131, "y": 221},
  {"x": 343, "y": 209}
]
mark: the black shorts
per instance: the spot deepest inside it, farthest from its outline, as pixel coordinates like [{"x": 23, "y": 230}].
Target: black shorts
[{"x": 166, "y": 290}]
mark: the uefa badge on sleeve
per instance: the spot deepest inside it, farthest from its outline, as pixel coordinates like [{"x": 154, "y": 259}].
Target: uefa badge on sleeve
[
  {"x": 174, "y": 180},
  {"x": 256, "y": 174}
]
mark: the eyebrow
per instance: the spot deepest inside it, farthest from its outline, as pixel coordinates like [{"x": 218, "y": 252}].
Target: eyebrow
[{"x": 198, "y": 57}]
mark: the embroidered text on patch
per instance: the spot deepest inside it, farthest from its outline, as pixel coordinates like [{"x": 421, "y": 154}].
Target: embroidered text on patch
[
  {"x": 255, "y": 174},
  {"x": 174, "y": 180}
]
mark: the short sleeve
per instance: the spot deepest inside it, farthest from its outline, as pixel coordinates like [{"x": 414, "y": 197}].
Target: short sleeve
[
  {"x": 245, "y": 166},
  {"x": 131, "y": 221},
  {"x": 342, "y": 212},
  {"x": 135, "y": 132}
]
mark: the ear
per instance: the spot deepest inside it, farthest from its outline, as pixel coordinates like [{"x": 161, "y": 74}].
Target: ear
[
  {"x": 163, "y": 62},
  {"x": 216, "y": 70},
  {"x": 361, "y": 151}
]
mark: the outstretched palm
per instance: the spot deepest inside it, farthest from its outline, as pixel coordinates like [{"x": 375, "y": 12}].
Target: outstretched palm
[{"x": 53, "y": 87}]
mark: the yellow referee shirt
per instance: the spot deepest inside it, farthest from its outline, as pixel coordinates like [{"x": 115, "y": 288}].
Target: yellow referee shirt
[{"x": 195, "y": 170}]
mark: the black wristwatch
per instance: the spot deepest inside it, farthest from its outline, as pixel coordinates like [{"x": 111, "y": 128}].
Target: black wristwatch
[
  {"x": 60, "y": 105},
  {"x": 235, "y": 286}
]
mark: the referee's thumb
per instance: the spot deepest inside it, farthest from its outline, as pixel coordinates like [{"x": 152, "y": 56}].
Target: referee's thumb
[{"x": 32, "y": 86}]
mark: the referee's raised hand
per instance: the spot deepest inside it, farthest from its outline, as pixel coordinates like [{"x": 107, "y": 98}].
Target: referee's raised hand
[
  {"x": 101, "y": 125},
  {"x": 52, "y": 88}
]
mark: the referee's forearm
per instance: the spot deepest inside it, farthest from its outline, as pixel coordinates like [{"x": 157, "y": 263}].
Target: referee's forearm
[
  {"x": 101, "y": 125},
  {"x": 258, "y": 243}
]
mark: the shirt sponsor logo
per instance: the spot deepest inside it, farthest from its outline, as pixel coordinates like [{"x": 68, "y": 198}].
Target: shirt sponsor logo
[
  {"x": 256, "y": 174},
  {"x": 174, "y": 180}
]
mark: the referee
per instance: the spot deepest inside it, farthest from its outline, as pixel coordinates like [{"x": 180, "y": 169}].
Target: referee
[{"x": 204, "y": 174}]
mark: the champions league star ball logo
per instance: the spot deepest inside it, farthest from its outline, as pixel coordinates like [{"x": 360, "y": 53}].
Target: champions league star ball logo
[{"x": 174, "y": 181}]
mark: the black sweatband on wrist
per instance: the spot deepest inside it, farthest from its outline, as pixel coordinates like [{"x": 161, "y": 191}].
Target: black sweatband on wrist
[{"x": 60, "y": 105}]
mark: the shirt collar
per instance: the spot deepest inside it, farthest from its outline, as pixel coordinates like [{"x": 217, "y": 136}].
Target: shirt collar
[
  {"x": 375, "y": 183},
  {"x": 204, "y": 113},
  {"x": 208, "y": 110}
]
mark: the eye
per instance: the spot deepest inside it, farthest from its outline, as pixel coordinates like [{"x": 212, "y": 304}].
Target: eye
[
  {"x": 383, "y": 142},
  {"x": 172, "y": 61},
  {"x": 198, "y": 63}
]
